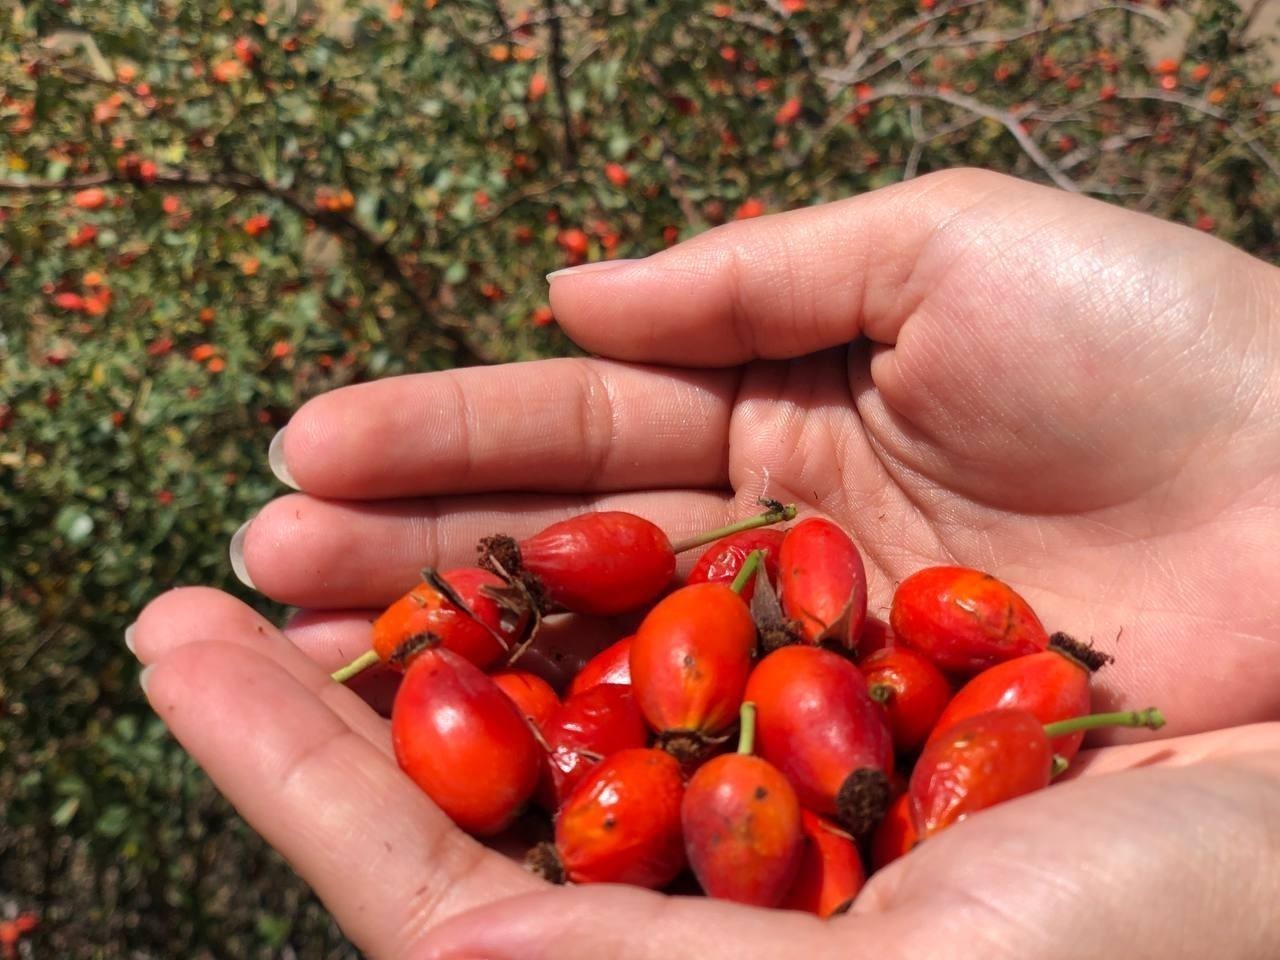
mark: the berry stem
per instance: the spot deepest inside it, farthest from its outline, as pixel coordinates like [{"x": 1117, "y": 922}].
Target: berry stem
[
  {"x": 1060, "y": 765},
  {"x": 358, "y": 665},
  {"x": 1150, "y": 718},
  {"x": 777, "y": 513},
  {"x": 749, "y": 568},
  {"x": 747, "y": 737}
]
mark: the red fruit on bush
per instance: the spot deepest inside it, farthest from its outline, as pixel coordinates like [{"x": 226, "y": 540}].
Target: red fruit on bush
[
  {"x": 831, "y": 871},
  {"x": 93, "y": 198},
  {"x": 463, "y": 741},
  {"x": 819, "y": 726},
  {"x": 964, "y": 620},
  {"x": 483, "y": 635},
  {"x": 896, "y": 834},
  {"x": 587, "y": 728},
  {"x": 690, "y": 661},
  {"x": 1053, "y": 685},
  {"x": 721, "y": 561},
  {"x": 741, "y": 823},
  {"x": 992, "y": 757},
  {"x": 531, "y": 694},
  {"x": 610, "y": 665},
  {"x": 911, "y": 691},
  {"x": 621, "y": 824},
  {"x": 574, "y": 241},
  {"x": 617, "y": 174},
  {"x": 823, "y": 583}
]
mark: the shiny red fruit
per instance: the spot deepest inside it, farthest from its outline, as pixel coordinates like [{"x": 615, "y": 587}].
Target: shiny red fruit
[
  {"x": 622, "y": 824},
  {"x": 689, "y": 664},
  {"x": 911, "y": 691},
  {"x": 426, "y": 612},
  {"x": 964, "y": 620},
  {"x": 979, "y": 762},
  {"x": 831, "y": 871},
  {"x": 817, "y": 723},
  {"x": 587, "y": 728},
  {"x": 530, "y": 693},
  {"x": 721, "y": 561},
  {"x": 463, "y": 741},
  {"x": 896, "y": 834},
  {"x": 1052, "y": 685},
  {"x": 596, "y": 563},
  {"x": 823, "y": 582},
  {"x": 610, "y": 665},
  {"x": 741, "y": 822}
]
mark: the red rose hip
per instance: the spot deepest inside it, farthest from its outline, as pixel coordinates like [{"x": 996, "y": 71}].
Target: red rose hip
[
  {"x": 463, "y": 741},
  {"x": 621, "y": 824},
  {"x": 724, "y": 559},
  {"x": 817, "y": 724},
  {"x": 587, "y": 728},
  {"x": 911, "y": 691},
  {"x": 823, "y": 583},
  {"x": 689, "y": 664},
  {"x": 964, "y": 620},
  {"x": 610, "y": 665},
  {"x": 831, "y": 871},
  {"x": 741, "y": 823},
  {"x": 529, "y": 692}
]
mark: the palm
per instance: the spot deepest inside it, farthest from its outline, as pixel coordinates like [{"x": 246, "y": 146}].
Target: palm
[{"x": 1034, "y": 396}]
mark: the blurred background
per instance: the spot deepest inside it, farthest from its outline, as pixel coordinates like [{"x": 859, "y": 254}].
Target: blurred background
[{"x": 211, "y": 211}]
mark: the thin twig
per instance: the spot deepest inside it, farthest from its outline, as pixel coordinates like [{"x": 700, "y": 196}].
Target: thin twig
[{"x": 561, "y": 83}]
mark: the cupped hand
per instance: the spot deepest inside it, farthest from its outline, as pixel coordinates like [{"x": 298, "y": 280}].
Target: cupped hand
[{"x": 962, "y": 369}]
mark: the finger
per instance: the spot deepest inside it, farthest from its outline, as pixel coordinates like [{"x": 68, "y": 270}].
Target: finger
[
  {"x": 609, "y": 922},
  {"x": 775, "y": 287},
  {"x": 1175, "y": 751},
  {"x": 569, "y": 424},
  {"x": 333, "y": 639},
  {"x": 324, "y": 554},
  {"x": 382, "y": 857},
  {"x": 196, "y": 614}
]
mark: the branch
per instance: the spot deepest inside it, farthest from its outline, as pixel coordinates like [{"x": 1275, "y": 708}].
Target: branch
[
  {"x": 558, "y": 78},
  {"x": 366, "y": 243},
  {"x": 859, "y": 59}
]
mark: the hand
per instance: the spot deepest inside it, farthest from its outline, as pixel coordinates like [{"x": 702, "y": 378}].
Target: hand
[{"x": 1080, "y": 400}]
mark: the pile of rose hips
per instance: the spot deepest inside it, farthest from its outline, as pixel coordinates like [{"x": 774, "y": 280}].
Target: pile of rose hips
[{"x": 856, "y": 739}]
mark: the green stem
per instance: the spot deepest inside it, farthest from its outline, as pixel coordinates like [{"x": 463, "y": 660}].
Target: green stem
[
  {"x": 1060, "y": 765},
  {"x": 358, "y": 665},
  {"x": 1151, "y": 718},
  {"x": 749, "y": 568},
  {"x": 747, "y": 738},
  {"x": 775, "y": 514}
]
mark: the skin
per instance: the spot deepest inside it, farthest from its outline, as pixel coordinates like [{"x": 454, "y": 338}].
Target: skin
[{"x": 960, "y": 369}]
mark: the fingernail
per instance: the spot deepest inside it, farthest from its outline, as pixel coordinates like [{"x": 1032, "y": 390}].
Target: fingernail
[
  {"x": 275, "y": 459},
  {"x": 145, "y": 677},
  {"x": 128, "y": 638},
  {"x": 596, "y": 267},
  {"x": 237, "y": 555}
]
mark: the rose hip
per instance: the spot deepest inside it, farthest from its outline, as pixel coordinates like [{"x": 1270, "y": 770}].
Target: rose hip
[
  {"x": 724, "y": 559},
  {"x": 823, "y": 583},
  {"x": 741, "y": 823},
  {"x": 530, "y": 693},
  {"x": 587, "y": 728},
  {"x": 610, "y": 665},
  {"x": 689, "y": 664},
  {"x": 1053, "y": 685},
  {"x": 896, "y": 834},
  {"x": 463, "y": 741},
  {"x": 819, "y": 726},
  {"x": 831, "y": 871},
  {"x": 602, "y": 563},
  {"x": 993, "y": 757},
  {"x": 621, "y": 824},
  {"x": 476, "y": 626},
  {"x": 911, "y": 691},
  {"x": 964, "y": 620},
  {"x": 876, "y": 635}
]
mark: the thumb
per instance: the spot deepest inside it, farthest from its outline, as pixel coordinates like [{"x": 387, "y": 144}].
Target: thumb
[
  {"x": 781, "y": 286},
  {"x": 609, "y": 922}
]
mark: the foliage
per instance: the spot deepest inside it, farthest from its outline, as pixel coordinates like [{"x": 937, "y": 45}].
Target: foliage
[{"x": 210, "y": 211}]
